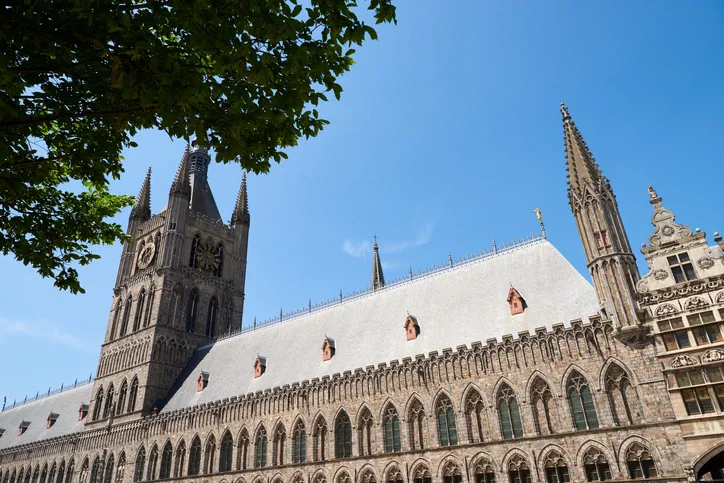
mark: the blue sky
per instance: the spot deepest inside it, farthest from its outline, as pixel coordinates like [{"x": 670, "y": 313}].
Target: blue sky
[{"x": 448, "y": 134}]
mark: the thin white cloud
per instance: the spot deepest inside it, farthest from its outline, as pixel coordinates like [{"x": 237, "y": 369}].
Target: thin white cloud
[
  {"x": 423, "y": 238},
  {"x": 356, "y": 250},
  {"x": 389, "y": 265},
  {"x": 41, "y": 330}
]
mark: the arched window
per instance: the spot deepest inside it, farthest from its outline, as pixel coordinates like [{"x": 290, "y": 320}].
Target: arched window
[
  {"x": 394, "y": 475},
  {"x": 36, "y": 473},
  {"x": 474, "y": 408},
  {"x": 392, "y": 430},
  {"x": 116, "y": 317},
  {"x": 242, "y": 452},
  {"x": 152, "y": 463},
  {"x": 509, "y": 413},
  {"x": 229, "y": 317},
  {"x": 69, "y": 472},
  {"x": 364, "y": 432},
  {"x": 280, "y": 438},
  {"x": 446, "y": 428},
  {"x": 416, "y": 420},
  {"x": 210, "y": 455},
  {"x": 484, "y": 472},
  {"x": 343, "y": 477},
  {"x": 149, "y": 306},
  {"x": 157, "y": 242},
  {"x": 44, "y": 474},
  {"x": 108, "y": 410},
  {"x": 368, "y": 476},
  {"x": 518, "y": 471},
  {"x": 212, "y": 317},
  {"x": 227, "y": 451},
  {"x": 126, "y": 315},
  {"x": 164, "y": 471},
  {"x": 220, "y": 268},
  {"x": 121, "y": 470},
  {"x": 192, "y": 311},
  {"x": 195, "y": 245},
  {"x": 541, "y": 400},
  {"x": 596, "y": 465},
  {"x": 342, "y": 436},
  {"x": 581, "y": 401},
  {"x": 120, "y": 405},
  {"x": 260, "y": 449},
  {"x": 451, "y": 473},
  {"x": 421, "y": 474},
  {"x": 299, "y": 443},
  {"x": 83, "y": 473},
  {"x": 53, "y": 469},
  {"x": 98, "y": 404},
  {"x": 639, "y": 462},
  {"x": 319, "y": 440},
  {"x": 132, "y": 395},
  {"x": 108, "y": 477},
  {"x": 621, "y": 395},
  {"x": 140, "y": 305},
  {"x": 556, "y": 468},
  {"x": 195, "y": 457},
  {"x": 176, "y": 300},
  {"x": 179, "y": 460},
  {"x": 140, "y": 465}
]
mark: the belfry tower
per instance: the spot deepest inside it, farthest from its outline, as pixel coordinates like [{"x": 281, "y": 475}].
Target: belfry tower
[
  {"x": 608, "y": 252},
  {"x": 180, "y": 285}
]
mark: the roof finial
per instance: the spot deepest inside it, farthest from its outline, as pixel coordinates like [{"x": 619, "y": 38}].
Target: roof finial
[
  {"x": 564, "y": 112},
  {"x": 539, "y": 214}
]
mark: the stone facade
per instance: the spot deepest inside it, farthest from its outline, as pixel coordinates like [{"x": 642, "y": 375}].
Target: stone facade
[{"x": 601, "y": 399}]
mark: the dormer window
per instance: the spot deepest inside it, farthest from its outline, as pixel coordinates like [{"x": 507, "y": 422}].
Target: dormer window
[
  {"x": 52, "y": 418},
  {"x": 82, "y": 412},
  {"x": 681, "y": 267},
  {"x": 259, "y": 366},
  {"x": 516, "y": 302},
  {"x": 24, "y": 425},
  {"x": 328, "y": 349},
  {"x": 412, "y": 328},
  {"x": 202, "y": 382}
]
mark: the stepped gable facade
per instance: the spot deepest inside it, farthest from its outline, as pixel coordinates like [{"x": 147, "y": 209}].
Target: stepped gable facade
[{"x": 505, "y": 367}]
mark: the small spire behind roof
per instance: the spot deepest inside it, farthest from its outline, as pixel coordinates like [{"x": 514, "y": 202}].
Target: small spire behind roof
[
  {"x": 581, "y": 165},
  {"x": 378, "y": 278},
  {"x": 241, "y": 210},
  {"x": 142, "y": 208}
]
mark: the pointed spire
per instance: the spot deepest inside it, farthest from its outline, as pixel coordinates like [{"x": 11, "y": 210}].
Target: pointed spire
[
  {"x": 378, "y": 278},
  {"x": 241, "y": 210},
  {"x": 181, "y": 181},
  {"x": 142, "y": 209},
  {"x": 582, "y": 167}
]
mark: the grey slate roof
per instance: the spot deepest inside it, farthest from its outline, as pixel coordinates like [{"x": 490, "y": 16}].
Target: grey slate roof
[
  {"x": 454, "y": 307},
  {"x": 201, "y": 198},
  {"x": 65, "y": 404}
]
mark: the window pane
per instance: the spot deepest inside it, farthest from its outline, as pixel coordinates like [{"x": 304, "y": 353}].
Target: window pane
[
  {"x": 719, "y": 391},
  {"x": 589, "y": 408},
  {"x": 670, "y": 342},
  {"x": 452, "y": 428},
  {"x": 672, "y": 260},
  {"x": 551, "y": 475},
  {"x": 682, "y": 337},
  {"x": 683, "y": 257},
  {"x": 714, "y": 333},
  {"x": 591, "y": 473},
  {"x": 648, "y": 468},
  {"x": 682, "y": 379},
  {"x": 705, "y": 402},
  {"x": 690, "y": 403},
  {"x": 664, "y": 325},
  {"x": 714, "y": 374},
  {"x": 678, "y": 274},
  {"x": 696, "y": 377},
  {"x": 707, "y": 317},
  {"x": 689, "y": 271},
  {"x": 505, "y": 427},
  {"x": 677, "y": 323},
  {"x": 515, "y": 419},
  {"x": 693, "y": 319},
  {"x": 701, "y": 336},
  {"x": 634, "y": 469},
  {"x": 577, "y": 410},
  {"x": 442, "y": 428}
]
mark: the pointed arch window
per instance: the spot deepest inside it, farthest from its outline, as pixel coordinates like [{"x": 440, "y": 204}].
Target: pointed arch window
[
  {"x": 394, "y": 475},
  {"x": 164, "y": 471},
  {"x": 227, "y": 451},
  {"x": 260, "y": 449},
  {"x": 421, "y": 474},
  {"x": 509, "y": 413},
  {"x": 474, "y": 409},
  {"x": 36, "y": 473},
  {"x": 195, "y": 457},
  {"x": 210, "y": 456},
  {"x": 70, "y": 471},
  {"x": 98, "y": 404},
  {"x": 132, "y": 395},
  {"x": 108, "y": 477},
  {"x": 140, "y": 465},
  {"x": 581, "y": 401},
  {"x": 364, "y": 432},
  {"x": 446, "y": 428},
  {"x": 96, "y": 475},
  {"x": 319, "y": 440},
  {"x": 44, "y": 474},
  {"x": 51, "y": 475},
  {"x": 242, "y": 452},
  {"x": 299, "y": 443},
  {"x": 342, "y": 436},
  {"x": 220, "y": 267},
  {"x": 621, "y": 395},
  {"x": 416, "y": 420},
  {"x": 121, "y": 470},
  {"x": 541, "y": 400},
  {"x": 140, "y": 305},
  {"x": 393, "y": 443},
  {"x": 280, "y": 438},
  {"x": 192, "y": 311},
  {"x": 556, "y": 468},
  {"x": 179, "y": 460},
  {"x": 176, "y": 301},
  {"x": 108, "y": 410},
  {"x": 518, "y": 470},
  {"x": 195, "y": 245},
  {"x": 116, "y": 318},
  {"x": 212, "y": 317},
  {"x": 149, "y": 306},
  {"x": 484, "y": 472},
  {"x": 152, "y": 463},
  {"x": 120, "y": 405},
  {"x": 451, "y": 473},
  {"x": 126, "y": 315},
  {"x": 596, "y": 465},
  {"x": 639, "y": 462}
]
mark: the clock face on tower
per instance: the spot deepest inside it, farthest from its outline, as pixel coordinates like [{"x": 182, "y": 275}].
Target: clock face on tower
[
  {"x": 146, "y": 256},
  {"x": 208, "y": 257}
]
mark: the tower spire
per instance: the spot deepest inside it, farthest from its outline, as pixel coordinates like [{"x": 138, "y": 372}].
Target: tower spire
[
  {"x": 241, "y": 210},
  {"x": 181, "y": 180},
  {"x": 142, "y": 209},
  {"x": 581, "y": 165},
  {"x": 378, "y": 278}
]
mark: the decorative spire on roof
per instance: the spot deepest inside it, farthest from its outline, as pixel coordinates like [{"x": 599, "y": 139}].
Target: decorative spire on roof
[
  {"x": 378, "y": 278},
  {"x": 241, "y": 210},
  {"x": 181, "y": 181},
  {"x": 666, "y": 227},
  {"x": 142, "y": 209},
  {"x": 582, "y": 167}
]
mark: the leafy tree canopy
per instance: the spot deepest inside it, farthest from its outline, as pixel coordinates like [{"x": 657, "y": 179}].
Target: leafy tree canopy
[{"x": 78, "y": 78}]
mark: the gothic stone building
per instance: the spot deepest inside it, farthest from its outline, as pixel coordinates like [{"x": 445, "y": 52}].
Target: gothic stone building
[{"x": 507, "y": 366}]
